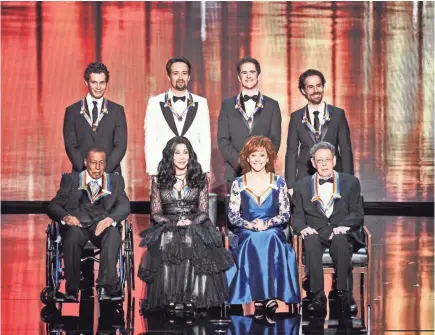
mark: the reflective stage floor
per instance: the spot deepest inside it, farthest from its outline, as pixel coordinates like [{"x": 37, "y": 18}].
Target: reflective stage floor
[{"x": 401, "y": 297}]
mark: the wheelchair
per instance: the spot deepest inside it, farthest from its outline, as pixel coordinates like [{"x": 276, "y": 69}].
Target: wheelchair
[{"x": 54, "y": 272}]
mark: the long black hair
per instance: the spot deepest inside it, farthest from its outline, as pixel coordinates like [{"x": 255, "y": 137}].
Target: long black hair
[{"x": 166, "y": 170}]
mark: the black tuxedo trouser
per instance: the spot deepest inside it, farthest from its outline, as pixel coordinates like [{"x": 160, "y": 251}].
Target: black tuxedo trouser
[
  {"x": 340, "y": 249},
  {"x": 74, "y": 240}
]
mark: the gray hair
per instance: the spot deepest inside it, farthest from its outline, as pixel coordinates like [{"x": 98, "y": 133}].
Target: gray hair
[{"x": 322, "y": 145}]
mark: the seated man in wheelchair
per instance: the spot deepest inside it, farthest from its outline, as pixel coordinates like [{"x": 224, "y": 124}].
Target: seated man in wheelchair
[
  {"x": 89, "y": 205},
  {"x": 328, "y": 213}
]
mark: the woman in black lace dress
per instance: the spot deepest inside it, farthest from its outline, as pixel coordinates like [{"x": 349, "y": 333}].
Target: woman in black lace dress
[{"x": 186, "y": 260}]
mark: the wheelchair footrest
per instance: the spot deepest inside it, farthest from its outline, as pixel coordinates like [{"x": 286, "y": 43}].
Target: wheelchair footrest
[{"x": 61, "y": 298}]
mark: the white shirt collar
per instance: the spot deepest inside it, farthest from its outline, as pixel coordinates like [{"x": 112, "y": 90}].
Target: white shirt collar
[
  {"x": 90, "y": 99},
  {"x": 89, "y": 178},
  {"x": 321, "y": 110},
  {"x": 171, "y": 94},
  {"x": 244, "y": 93}
]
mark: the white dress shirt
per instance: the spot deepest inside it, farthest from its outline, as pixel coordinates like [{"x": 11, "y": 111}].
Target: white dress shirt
[
  {"x": 89, "y": 179},
  {"x": 90, "y": 101},
  {"x": 325, "y": 193},
  {"x": 321, "y": 110},
  {"x": 250, "y": 104},
  {"x": 179, "y": 107}
]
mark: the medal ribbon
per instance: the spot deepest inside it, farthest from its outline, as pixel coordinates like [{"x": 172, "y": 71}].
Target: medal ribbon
[
  {"x": 180, "y": 117},
  {"x": 307, "y": 121},
  {"x": 258, "y": 106},
  {"x": 84, "y": 109}
]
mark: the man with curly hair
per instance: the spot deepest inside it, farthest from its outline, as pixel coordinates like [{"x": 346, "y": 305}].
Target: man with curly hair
[
  {"x": 315, "y": 122},
  {"x": 95, "y": 121}
]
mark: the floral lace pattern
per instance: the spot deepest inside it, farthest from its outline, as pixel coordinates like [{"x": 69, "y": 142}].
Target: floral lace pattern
[
  {"x": 164, "y": 197},
  {"x": 235, "y": 210}
]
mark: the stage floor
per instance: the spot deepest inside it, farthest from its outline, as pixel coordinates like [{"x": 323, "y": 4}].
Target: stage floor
[{"x": 402, "y": 288}]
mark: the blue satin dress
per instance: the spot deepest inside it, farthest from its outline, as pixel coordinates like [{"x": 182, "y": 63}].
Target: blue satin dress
[{"x": 265, "y": 264}]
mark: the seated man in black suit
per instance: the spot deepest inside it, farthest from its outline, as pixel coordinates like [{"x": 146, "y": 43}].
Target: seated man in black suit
[
  {"x": 89, "y": 205},
  {"x": 328, "y": 213}
]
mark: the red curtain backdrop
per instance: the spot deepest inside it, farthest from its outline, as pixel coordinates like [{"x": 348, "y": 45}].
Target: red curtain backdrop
[{"x": 377, "y": 58}]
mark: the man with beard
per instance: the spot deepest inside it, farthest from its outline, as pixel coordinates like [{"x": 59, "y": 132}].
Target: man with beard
[
  {"x": 314, "y": 123},
  {"x": 247, "y": 114},
  {"x": 95, "y": 122},
  {"x": 177, "y": 112}
]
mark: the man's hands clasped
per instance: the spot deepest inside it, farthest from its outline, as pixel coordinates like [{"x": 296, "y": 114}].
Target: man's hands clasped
[{"x": 336, "y": 231}]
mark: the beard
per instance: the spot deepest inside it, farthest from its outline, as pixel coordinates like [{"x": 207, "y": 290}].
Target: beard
[
  {"x": 315, "y": 100},
  {"x": 180, "y": 86}
]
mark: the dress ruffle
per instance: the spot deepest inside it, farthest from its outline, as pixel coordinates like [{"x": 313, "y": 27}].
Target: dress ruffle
[{"x": 205, "y": 251}]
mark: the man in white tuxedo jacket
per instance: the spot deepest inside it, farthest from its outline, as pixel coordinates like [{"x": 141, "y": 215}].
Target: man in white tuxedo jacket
[{"x": 177, "y": 112}]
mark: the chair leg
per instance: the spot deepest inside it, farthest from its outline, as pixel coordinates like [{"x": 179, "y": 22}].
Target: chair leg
[{"x": 223, "y": 310}]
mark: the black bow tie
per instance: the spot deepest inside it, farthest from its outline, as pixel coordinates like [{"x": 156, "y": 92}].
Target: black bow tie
[
  {"x": 329, "y": 180},
  {"x": 174, "y": 98},
  {"x": 253, "y": 98}
]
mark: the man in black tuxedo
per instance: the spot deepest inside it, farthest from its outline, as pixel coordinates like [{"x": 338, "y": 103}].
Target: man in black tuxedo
[
  {"x": 328, "y": 213},
  {"x": 317, "y": 121},
  {"x": 89, "y": 205},
  {"x": 95, "y": 122},
  {"x": 247, "y": 114}
]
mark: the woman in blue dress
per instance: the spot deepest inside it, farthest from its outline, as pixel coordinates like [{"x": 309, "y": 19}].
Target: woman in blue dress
[{"x": 258, "y": 211}]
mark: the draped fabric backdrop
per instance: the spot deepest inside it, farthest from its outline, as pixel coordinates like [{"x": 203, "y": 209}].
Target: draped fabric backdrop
[{"x": 377, "y": 57}]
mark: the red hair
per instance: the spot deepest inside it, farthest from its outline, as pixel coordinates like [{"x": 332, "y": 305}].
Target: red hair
[{"x": 253, "y": 144}]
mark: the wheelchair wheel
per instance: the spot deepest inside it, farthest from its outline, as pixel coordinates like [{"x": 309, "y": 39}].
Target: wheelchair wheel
[
  {"x": 47, "y": 295},
  {"x": 133, "y": 277},
  {"x": 129, "y": 260},
  {"x": 128, "y": 273},
  {"x": 49, "y": 314},
  {"x": 49, "y": 255}
]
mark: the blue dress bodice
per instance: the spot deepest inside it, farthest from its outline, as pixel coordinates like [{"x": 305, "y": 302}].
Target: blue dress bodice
[{"x": 251, "y": 210}]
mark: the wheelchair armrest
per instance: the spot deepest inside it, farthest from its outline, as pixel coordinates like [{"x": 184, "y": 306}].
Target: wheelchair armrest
[
  {"x": 367, "y": 240},
  {"x": 53, "y": 231}
]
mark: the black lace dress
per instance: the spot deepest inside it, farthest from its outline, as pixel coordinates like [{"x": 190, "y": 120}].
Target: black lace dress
[{"x": 183, "y": 264}]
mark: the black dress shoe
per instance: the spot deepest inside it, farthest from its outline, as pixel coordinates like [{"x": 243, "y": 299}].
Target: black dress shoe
[
  {"x": 260, "y": 306},
  {"x": 189, "y": 308},
  {"x": 71, "y": 296},
  {"x": 170, "y": 309},
  {"x": 348, "y": 303},
  {"x": 271, "y": 306},
  {"x": 103, "y": 294},
  {"x": 318, "y": 303}
]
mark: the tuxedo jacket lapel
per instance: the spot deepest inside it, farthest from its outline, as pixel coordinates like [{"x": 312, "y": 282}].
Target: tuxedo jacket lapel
[
  {"x": 190, "y": 116},
  {"x": 304, "y": 121},
  {"x": 335, "y": 197},
  {"x": 326, "y": 123},
  {"x": 169, "y": 117},
  {"x": 338, "y": 203},
  {"x": 87, "y": 126},
  {"x": 256, "y": 117},
  {"x": 104, "y": 112},
  {"x": 240, "y": 108},
  {"x": 314, "y": 197}
]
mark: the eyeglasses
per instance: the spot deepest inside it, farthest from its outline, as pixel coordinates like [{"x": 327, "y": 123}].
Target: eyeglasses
[{"x": 323, "y": 161}]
